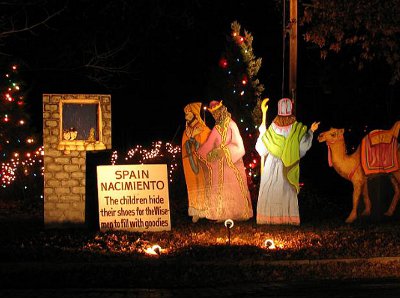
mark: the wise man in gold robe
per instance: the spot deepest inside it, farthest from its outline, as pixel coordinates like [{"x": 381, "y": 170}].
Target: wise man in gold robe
[{"x": 195, "y": 134}]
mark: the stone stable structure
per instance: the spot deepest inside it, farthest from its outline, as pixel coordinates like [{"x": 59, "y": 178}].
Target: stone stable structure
[{"x": 65, "y": 156}]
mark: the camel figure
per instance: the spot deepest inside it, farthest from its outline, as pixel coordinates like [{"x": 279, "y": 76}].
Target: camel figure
[{"x": 351, "y": 167}]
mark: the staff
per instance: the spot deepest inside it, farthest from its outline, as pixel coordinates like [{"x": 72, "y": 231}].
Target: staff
[{"x": 264, "y": 109}]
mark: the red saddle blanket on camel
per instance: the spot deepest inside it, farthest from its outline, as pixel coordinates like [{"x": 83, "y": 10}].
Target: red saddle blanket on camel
[{"x": 379, "y": 152}]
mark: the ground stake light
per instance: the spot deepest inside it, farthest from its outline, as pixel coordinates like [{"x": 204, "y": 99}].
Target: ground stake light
[
  {"x": 154, "y": 250},
  {"x": 269, "y": 243},
  {"x": 229, "y": 224}
]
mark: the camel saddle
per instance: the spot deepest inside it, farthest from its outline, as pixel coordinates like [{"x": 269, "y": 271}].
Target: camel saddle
[{"x": 379, "y": 152}]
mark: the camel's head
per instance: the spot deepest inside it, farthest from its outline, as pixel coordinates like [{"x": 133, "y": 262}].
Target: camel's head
[{"x": 331, "y": 135}]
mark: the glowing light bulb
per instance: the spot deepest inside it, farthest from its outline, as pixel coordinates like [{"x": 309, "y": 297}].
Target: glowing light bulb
[
  {"x": 229, "y": 223},
  {"x": 154, "y": 250},
  {"x": 269, "y": 243}
]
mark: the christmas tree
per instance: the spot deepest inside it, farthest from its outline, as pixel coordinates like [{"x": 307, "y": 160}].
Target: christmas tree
[
  {"x": 235, "y": 82},
  {"x": 19, "y": 150}
]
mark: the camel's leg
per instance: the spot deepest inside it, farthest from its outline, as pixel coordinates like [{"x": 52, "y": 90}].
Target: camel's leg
[
  {"x": 357, "y": 187},
  {"x": 395, "y": 179},
  {"x": 367, "y": 200}
]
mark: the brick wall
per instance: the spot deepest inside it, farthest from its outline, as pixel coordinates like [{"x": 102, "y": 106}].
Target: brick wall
[{"x": 65, "y": 162}]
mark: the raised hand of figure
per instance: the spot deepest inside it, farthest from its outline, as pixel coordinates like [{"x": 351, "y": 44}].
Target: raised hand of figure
[{"x": 315, "y": 126}]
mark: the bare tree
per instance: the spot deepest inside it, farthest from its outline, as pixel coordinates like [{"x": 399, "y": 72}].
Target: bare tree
[
  {"x": 18, "y": 17},
  {"x": 100, "y": 40}
]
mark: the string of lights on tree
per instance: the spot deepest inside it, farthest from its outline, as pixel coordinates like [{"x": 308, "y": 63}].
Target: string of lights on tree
[
  {"x": 159, "y": 152},
  {"x": 236, "y": 83},
  {"x": 27, "y": 166},
  {"x": 16, "y": 136},
  {"x": 18, "y": 148}
]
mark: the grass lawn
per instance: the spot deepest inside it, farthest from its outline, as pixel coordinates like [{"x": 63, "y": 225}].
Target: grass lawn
[{"x": 202, "y": 253}]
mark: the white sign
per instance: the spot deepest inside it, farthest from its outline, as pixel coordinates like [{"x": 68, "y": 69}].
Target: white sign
[{"x": 133, "y": 197}]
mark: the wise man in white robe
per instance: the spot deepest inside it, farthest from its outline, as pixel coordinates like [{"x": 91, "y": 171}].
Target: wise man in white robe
[{"x": 282, "y": 145}]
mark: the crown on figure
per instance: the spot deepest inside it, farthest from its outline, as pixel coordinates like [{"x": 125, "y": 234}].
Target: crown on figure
[
  {"x": 285, "y": 107},
  {"x": 214, "y": 105}
]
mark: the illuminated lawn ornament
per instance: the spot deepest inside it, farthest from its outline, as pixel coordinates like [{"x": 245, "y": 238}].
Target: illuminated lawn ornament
[{"x": 378, "y": 153}]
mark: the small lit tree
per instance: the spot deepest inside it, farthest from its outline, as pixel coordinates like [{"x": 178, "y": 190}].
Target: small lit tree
[
  {"x": 20, "y": 154},
  {"x": 16, "y": 134},
  {"x": 236, "y": 83}
]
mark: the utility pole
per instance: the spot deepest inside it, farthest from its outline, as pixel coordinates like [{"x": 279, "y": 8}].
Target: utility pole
[{"x": 293, "y": 51}]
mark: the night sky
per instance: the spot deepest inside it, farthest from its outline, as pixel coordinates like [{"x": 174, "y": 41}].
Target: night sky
[{"x": 170, "y": 48}]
